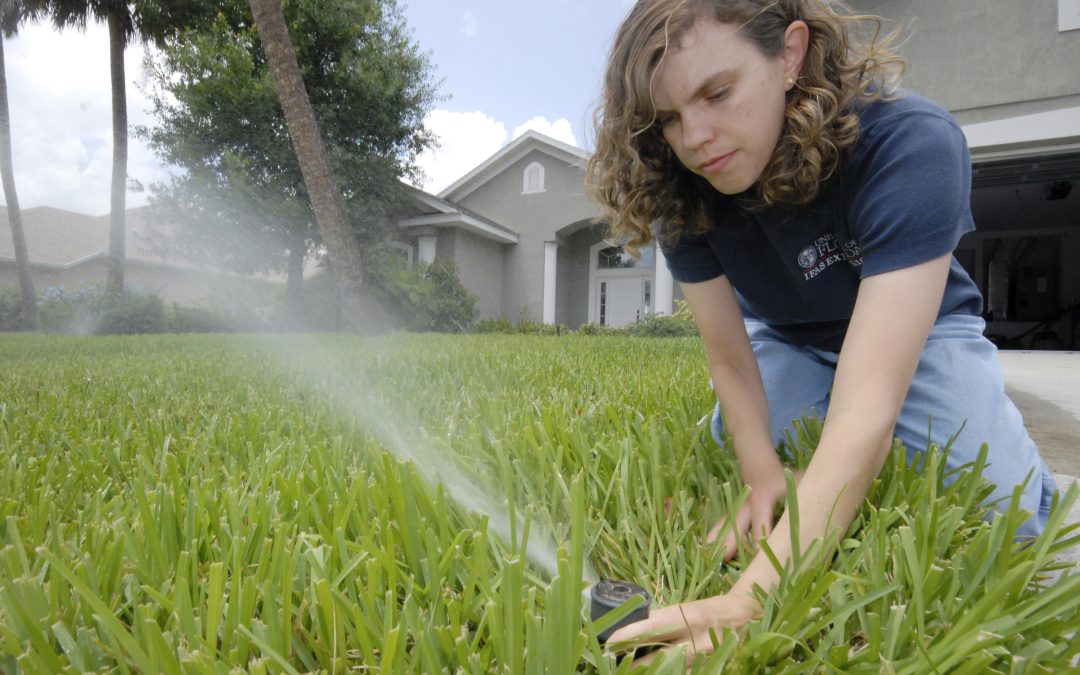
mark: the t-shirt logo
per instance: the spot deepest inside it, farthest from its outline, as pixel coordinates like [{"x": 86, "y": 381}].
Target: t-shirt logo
[
  {"x": 808, "y": 257},
  {"x": 826, "y": 252}
]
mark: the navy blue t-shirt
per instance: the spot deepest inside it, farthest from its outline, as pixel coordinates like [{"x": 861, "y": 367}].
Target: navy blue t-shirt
[{"x": 902, "y": 197}]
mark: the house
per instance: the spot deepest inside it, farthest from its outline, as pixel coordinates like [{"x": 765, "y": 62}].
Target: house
[
  {"x": 68, "y": 252},
  {"x": 519, "y": 228},
  {"x": 522, "y": 233},
  {"x": 1010, "y": 74}
]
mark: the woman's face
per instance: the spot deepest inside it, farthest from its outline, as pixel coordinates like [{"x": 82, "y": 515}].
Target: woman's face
[{"x": 720, "y": 101}]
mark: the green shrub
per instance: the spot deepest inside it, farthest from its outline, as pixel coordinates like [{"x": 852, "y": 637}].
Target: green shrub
[
  {"x": 449, "y": 308},
  {"x": 502, "y": 326},
  {"x": 679, "y": 324},
  {"x": 90, "y": 311},
  {"x": 132, "y": 313},
  {"x": 522, "y": 327},
  {"x": 596, "y": 329},
  {"x": 660, "y": 326},
  {"x": 10, "y": 308},
  {"x": 536, "y": 328},
  {"x": 188, "y": 319},
  {"x": 423, "y": 297}
]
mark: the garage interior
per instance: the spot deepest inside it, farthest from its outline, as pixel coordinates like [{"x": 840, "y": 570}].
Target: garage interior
[{"x": 1025, "y": 251}]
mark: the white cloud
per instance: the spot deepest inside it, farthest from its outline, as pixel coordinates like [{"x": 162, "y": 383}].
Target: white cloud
[
  {"x": 469, "y": 26},
  {"x": 466, "y": 139},
  {"x": 560, "y": 129},
  {"x": 61, "y": 118}
]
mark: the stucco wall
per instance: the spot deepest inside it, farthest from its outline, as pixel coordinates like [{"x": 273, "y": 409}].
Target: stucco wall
[
  {"x": 536, "y": 218},
  {"x": 91, "y": 273},
  {"x": 179, "y": 286},
  {"x": 573, "y": 282},
  {"x": 480, "y": 267},
  {"x": 193, "y": 287},
  {"x": 986, "y": 59}
]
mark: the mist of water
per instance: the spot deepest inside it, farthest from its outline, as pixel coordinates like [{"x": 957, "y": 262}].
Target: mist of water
[{"x": 378, "y": 417}]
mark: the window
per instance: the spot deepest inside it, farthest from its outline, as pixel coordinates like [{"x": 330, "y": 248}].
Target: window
[
  {"x": 614, "y": 258},
  {"x": 534, "y": 178},
  {"x": 603, "y": 303},
  {"x": 1068, "y": 15}
]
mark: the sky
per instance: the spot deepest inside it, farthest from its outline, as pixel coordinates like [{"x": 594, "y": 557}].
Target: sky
[{"x": 502, "y": 67}]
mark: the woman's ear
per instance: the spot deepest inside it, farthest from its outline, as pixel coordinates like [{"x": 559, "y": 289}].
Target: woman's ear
[{"x": 796, "y": 42}]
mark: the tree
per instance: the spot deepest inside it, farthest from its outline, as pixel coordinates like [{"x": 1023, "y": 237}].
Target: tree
[
  {"x": 219, "y": 118},
  {"x": 118, "y": 16},
  {"x": 342, "y": 249},
  {"x": 12, "y": 14}
]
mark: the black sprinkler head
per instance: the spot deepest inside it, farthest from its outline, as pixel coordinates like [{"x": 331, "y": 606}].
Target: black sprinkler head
[{"x": 608, "y": 594}]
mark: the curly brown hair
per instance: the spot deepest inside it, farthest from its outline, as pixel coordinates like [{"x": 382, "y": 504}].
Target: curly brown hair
[{"x": 639, "y": 184}]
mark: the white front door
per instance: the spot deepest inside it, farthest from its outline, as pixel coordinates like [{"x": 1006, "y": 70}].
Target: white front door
[{"x": 621, "y": 300}]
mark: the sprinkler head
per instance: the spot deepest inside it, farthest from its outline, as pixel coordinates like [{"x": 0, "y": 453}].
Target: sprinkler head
[{"x": 608, "y": 594}]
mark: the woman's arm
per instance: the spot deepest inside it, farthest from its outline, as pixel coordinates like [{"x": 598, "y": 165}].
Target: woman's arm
[
  {"x": 737, "y": 383},
  {"x": 894, "y": 313}
]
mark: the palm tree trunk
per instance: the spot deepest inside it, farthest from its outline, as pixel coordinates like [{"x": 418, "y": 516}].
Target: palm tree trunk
[
  {"x": 114, "y": 282},
  {"x": 22, "y": 258},
  {"x": 326, "y": 200}
]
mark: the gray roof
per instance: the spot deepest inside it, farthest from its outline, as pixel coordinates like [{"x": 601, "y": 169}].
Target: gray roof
[
  {"x": 426, "y": 209},
  {"x": 60, "y": 238}
]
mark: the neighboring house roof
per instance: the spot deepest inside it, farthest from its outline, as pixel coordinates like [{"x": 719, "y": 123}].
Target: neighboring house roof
[
  {"x": 522, "y": 145},
  {"x": 61, "y": 239},
  {"x": 431, "y": 211}
]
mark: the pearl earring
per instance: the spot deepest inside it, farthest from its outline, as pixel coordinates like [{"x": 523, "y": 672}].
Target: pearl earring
[{"x": 790, "y": 82}]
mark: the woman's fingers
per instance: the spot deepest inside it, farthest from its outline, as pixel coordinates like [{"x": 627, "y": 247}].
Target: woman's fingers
[
  {"x": 761, "y": 520},
  {"x": 734, "y": 534},
  {"x": 686, "y": 627},
  {"x": 761, "y": 528},
  {"x": 663, "y": 625}
]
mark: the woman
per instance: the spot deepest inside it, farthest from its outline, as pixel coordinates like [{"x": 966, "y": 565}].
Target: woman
[{"x": 809, "y": 210}]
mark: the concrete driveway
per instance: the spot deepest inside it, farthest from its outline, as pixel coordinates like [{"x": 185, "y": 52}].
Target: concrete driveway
[{"x": 1046, "y": 388}]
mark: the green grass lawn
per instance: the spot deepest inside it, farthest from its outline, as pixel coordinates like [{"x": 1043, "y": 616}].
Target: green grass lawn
[{"x": 218, "y": 504}]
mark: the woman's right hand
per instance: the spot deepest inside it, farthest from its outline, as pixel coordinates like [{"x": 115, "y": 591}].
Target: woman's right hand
[{"x": 756, "y": 514}]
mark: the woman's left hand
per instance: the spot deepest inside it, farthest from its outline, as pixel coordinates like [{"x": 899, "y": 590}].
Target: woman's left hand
[{"x": 686, "y": 624}]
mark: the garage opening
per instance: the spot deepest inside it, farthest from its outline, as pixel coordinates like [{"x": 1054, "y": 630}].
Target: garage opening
[{"x": 1025, "y": 252}]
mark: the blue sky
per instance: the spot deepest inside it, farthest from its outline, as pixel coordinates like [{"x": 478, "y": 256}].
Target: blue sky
[
  {"x": 504, "y": 66},
  {"x": 518, "y": 60}
]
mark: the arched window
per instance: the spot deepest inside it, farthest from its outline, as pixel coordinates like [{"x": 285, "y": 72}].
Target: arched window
[
  {"x": 534, "y": 178},
  {"x": 613, "y": 258}
]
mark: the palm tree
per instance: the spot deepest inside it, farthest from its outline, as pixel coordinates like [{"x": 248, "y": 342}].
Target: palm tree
[
  {"x": 12, "y": 14},
  {"x": 118, "y": 15},
  {"x": 326, "y": 198}
]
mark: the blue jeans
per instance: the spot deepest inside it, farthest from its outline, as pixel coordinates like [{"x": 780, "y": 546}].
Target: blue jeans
[{"x": 958, "y": 390}]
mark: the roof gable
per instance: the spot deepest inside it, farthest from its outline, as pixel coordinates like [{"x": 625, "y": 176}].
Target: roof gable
[
  {"x": 431, "y": 211},
  {"x": 510, "y": 153}
]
